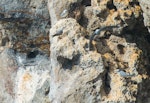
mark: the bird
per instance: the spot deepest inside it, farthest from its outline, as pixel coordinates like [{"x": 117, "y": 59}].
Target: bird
[
  {"x": 64, "y": 13},
  {"x": 97, "y": 32},
  {"x": 123, "y": 73},
  {"x": 59, "y": 32},
  {"x": 21, "y": 59}
]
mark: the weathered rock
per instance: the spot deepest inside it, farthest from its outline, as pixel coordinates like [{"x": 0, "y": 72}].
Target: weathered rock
[
  {"x": 64, "y": 9},
  {"x": 146, "y": 12},
  {"x": 24, "y": 25},
  {"x": 114, "y": 70},
  {"x": 26, "y": 83},
  {"x": 33, "y": 83},
  {"x": 8, "y": 71},
  {"x": 76, "y": 73}
]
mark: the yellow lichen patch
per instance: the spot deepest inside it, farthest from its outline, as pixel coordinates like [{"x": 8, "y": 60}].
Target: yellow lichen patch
[
  {"x": 136, "y": 10},
  {"x": 27, "y": 77},
  {"x": 126, "y": 13},
  {"x": 134, "y": 56},
  {"x": 107, "y": 56},
  {"x": 111, "y": 19}
]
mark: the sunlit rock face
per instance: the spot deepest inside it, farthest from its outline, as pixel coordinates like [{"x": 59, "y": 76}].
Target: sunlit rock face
[{"x": 54, "y": 51}]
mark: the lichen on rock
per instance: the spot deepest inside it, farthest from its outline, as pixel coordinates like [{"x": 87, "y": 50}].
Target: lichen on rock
[{"x": 55, "y": 51}]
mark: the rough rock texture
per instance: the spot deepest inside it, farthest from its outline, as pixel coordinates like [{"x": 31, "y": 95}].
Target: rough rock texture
[
  {"x": 33, "y": 83},
  {"x": 24, "y": 25},
  {"x": 122, "y": 49},
  {"x": 8, "y": 71},
  {"x": 24, "y": 34},
  {"x": 76, "y": 73},
  {"x": 45, "y": 56},
  {"x": 146, "y": 12}
]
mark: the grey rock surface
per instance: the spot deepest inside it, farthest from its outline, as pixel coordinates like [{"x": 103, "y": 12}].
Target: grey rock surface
[
  {"x": 33, "y": 83},
  {"x": 145, "y": 4},
  {"x": 64, "y": 9},
  {"x": 76, "y": 74},
  {"x": 8, "y": 71},
  {"x": 24, "y": 25},
  {"x": 45, "y": 57}
]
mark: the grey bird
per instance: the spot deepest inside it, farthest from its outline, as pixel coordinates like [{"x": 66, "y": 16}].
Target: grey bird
[
  {"x": 64, "y": 13},
  {"x": 123, "y": 73},
  {"x": 21, "y": 59},
  {"x": 97, "y": 32},
  {"x": 59, "y": 32}
]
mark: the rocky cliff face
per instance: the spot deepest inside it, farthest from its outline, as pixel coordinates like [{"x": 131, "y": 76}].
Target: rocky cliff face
[{"x": 54, "y": 51}]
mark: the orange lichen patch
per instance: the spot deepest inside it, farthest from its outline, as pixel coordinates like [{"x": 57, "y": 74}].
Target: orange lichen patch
[
  {"x": 124, "y": 14},
  {"x": 135, "y": 55},
  {"x": 27, "y": 77},
  {"x": 110, "y": 20},
  {"x": 127, "y": 12},
  {"x": 136, "y": 10},
  {"x": 107, "y": 56},
  {"x": 25, "y": 80}
]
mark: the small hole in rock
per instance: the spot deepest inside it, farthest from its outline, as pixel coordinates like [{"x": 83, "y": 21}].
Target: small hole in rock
[
  {"x": 94, "y": 86},
  {"x": 47, "y": 91},
  {"x": 133, "y": 3},
  {"x": 4, "y": 41},
  {"x": 107, "y": 80},
  {"x": 121, "y": 48},
  {"x": 32, "y": 54},
  {"x": 73, "y": 41},
  {"x": 32, "y": 45},
  {"x": 68, "y": 63},
  {"x": 86, "y": 2},
  {"x": 111, "y": 6}
]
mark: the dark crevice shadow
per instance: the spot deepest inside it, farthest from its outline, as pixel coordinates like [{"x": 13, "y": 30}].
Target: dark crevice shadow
[
  {"x": 68, "y": 63},
  {"x": 32, "y": 54},
  {"x": 86, "y": 2},
  {"x": 106, "y": 81},
  {"x": 141, "y": 37},
  {"x": 83, "y": 21},
  {"x": 110, "y": 5}
]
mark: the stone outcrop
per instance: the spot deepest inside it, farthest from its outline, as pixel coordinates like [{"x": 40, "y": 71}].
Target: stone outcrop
[
  {"x": 77, "y": 73},
  {"x": 146, "y": 12},
  {"x": 52, "y": 51},
  {"x": 24, "y": 25}
]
